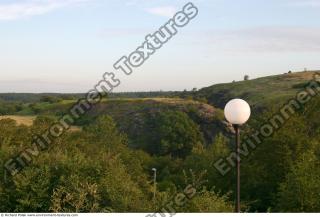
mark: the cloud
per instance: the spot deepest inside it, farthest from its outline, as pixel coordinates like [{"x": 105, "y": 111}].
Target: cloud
[
  {"x": 264, "y": 39},
  {"x": 306, "y": 3},
  {"x": 166, "y": 11},
  {"x": 30, "y": 8}
]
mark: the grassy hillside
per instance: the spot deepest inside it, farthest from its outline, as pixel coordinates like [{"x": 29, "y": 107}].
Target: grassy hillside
[
  {"x": 258, "y": 92},
  {"x": 180, "y": 137},
  {"x": 132, "y": 114}
]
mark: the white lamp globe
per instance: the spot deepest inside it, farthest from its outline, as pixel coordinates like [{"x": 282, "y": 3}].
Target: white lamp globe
[{"x": 237, "y": 111}]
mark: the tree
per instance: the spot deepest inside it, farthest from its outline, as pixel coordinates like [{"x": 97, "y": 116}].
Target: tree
[
  {"x": 172, "y": 133},
  {"x": 246, "y": 77},
  {"x": 300, "y": 190},
  {"x": 76, "y": 194},
  {"x": 119, "y": 191},
  {"x": 209, "y": 201},
  {"x": 32, "y": 189},
  {"x": 104, "y": 131},
  {"x": 268, "y": 164},
  {"x": 50, "y": 99}
]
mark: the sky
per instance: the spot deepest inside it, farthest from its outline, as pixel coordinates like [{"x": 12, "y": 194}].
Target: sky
[{"x": 67, "y": 45}]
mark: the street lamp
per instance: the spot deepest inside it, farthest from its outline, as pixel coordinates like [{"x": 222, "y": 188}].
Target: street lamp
[
  {"x": 154, "y": 183},
  {"x": 237, "y": 112}
]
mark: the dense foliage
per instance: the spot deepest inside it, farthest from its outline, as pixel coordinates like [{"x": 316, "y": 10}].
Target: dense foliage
[
  {"x": 94, "y": 171},
  {"x": 171, "y": 133},
  {"x": 107, "y": 165}
]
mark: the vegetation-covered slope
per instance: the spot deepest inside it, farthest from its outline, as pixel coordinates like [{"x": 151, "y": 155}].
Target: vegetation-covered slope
[
  {"x": 258, "y": 92},
  {"x": 107, "y": 166},
  {"x": 133, "y": 115}
]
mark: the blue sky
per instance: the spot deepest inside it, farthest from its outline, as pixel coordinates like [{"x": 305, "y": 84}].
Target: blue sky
[{"x": 66, "y": 45}]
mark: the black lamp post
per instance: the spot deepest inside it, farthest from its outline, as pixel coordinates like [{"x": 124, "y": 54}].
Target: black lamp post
[{"x": 237, "y": 112}]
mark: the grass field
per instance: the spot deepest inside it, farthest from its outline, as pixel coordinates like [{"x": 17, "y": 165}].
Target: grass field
[
  {"x": 25, "y": 120},
  {"x": 28, "y": 120}
]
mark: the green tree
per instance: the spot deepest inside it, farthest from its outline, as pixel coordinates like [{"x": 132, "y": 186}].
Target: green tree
[
  {"x": 209, "y": 201},
  {"x": 300, "y": 190},
  {"x": 267, "y": 165},
  {"x": 172, "y": 133},
  {"x": 32, "y": 189},
  {"x": 75, "y": 194},
  {"x": 104, "y": 131},
  {"x": 50, "y": 99}
]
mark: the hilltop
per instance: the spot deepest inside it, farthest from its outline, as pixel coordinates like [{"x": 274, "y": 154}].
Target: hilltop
[{"x": 258, "y": 92}]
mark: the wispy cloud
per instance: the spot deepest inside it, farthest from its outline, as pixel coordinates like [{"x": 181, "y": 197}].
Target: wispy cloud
[
  {"x": 166, "y": 11},
  {"x": 306, "y": 3},
  {"x": 264, "y": 40},
  {"x": 28, "y": 8}
]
